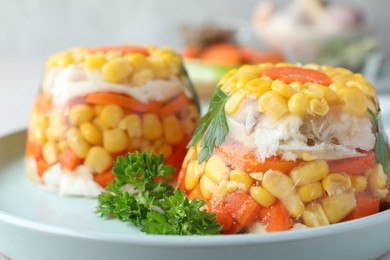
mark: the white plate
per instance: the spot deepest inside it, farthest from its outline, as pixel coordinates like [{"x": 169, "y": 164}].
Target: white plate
[{"x": 37, "y": 224}]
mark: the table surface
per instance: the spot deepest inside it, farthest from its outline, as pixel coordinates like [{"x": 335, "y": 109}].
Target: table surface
[{"x": 19, "y": 85}]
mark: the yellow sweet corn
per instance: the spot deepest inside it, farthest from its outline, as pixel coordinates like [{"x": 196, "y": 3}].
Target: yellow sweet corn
[
  {"x": 216, "y": 169},
  {"x": 262, "y": 196},
  {"x": 257, "y": 87},
  {"x": 221, "y": 192},
  {"x": 244, "y": 79},
  {"x": 314, "y": 216},
  {"x": 227, "y": 76},
  {"x": 377, "y": 180},
  {"x": 335, "y": 86},
  {"x": 77, "y": 143},
  {"x": 231, "y": 186},
  {"x": 354, "y": 100},
  {"x": 359, "y": 183},
  {"x": 282, "y": 88},
  {"x": 207, "y": 187},
  {"x": 81, "y": 113},
  {"x": 91, "y": 133},
  {"x": 138, "y": 61},
  {"x": 230, "y": 85},
  {"x": 320, "y": 92},
  {"x": 192, "y": 176},
  {"x": 366, "y": 87},
  {"x": 309, "y": 172},
  {"x": 159, "y": 67},
  {"x": 173, "y": 133},
  {"x": 273, "y": 104},
  {"x": 152, "y": 128},
  {"x": 98, "y": 159},
  {"x": 95, "y": 61},
  {"x": 337, "y": 207},
  {"x": 310, "y": 191},
  {"x": 318, "y": 107},
  {"x": 111, "y": 115},
  {"x": 336, "y": 183},
  {"x": 234, "y": 102},
  {"x": 50, "y": 152},
  {"x": 115, "y": 140},
  {"x": 242, "y": 178},
  {"x": 132, "y": 124},
  {"x": 141, "y": 77},
  {"x": 297, "y": 86},
  {"x": 116, "y": 70},
  {"x": 298, "y": 104}
]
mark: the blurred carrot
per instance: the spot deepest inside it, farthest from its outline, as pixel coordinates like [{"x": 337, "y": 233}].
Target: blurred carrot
[
  {"x": 250, "y": 55},
  {"x": 42, "y": 166},
  {"x": 242, "y": 208},
  {"x": 69, "y": 159},
  {"x": 173, "y": 106},
  {"x": 366, "y": 205},
  {"x": 276, "y": 218},
  {"x": 222, "y": 54},
  {"x": 123, "y": 49},
  {"x": 104, "y": 178},
  {"x": 355, "y": 165},
  {"x": 191, "y": 51},
  {"x": 33, "y": 149}
]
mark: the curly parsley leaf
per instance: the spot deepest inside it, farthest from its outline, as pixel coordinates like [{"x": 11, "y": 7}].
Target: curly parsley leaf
[
  {"x": 382, "y": 150},
  {"x": 213, "y": 126},
  {"x": 135, "y": 196},
  {"x": 181, "y": 216}
]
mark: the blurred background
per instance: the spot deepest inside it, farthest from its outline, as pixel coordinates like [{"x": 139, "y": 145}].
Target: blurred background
[{"x": 351, "y": 33}]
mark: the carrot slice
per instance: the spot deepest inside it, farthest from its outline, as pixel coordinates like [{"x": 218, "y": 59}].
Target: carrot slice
[
  {"x": 242, "y": 208},
  {"x": 174, "y": 106},
  {"x": 42, "y": 166},
  {"x": 254, "y": 56},
  {"x": 196, "y": 193},
  {"x": 104, "y": 178},
  {"x": 246, "y": 159},
  {"x": 123, "y": 49},
  {"x": 105, "y": 98},
  {"x": 222, "y": 54},
  {"x": 223, "y": 217},
  {"x": 33, "y": 149},
  {"x": 181, "y": 179},
  {"x": 276, "y": 218},
  {"x": 177, "y": 157},
  {"x": 290, "y": 74},
  {"x": 355, "y": 165},
  {"x": 366, "y": 205},
  {"x": 191, "y": 51},
  {"x": 69, "y": 159}
]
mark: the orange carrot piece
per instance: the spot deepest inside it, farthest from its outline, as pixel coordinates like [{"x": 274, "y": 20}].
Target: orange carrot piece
[
  {"x": 42, "y": 166},
  {"x": 223, "y": 217},
  {"x": 242, "y": 208},
  {"x": 174, "y": 106},
  {"x": 104, "y": 178},
  {"x": 105, "y": 98},
  {"x": 251, "y": 55},
  {"x": 366, "y": 205},
  {"x": 276, "y": 218},
  {"x": 196, "y": 194},
  {"x": 34, "y": 149},
  {"x": 355, "y": 165},
  {"x": 222, "y": 54},
  {"x": 191, "y": 51},
  {"x": 181, "y": 178},
  {"x": 290, "y": 74},
  {"x": 69, "y": 159},
  {"x": 43, "y": 103},
  {"x": 123, "y": 49},
  {"x": 246, "y": 160}
]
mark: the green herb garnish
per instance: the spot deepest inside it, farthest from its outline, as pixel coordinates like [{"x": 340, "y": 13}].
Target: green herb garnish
[
  {"x": 382, "y": 150},
  {"x": 213, "y": 126},
  {"x": 136, "y": 196}
]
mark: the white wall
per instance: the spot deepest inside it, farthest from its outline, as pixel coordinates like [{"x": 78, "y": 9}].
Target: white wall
[{"x": 41, "y": 27}]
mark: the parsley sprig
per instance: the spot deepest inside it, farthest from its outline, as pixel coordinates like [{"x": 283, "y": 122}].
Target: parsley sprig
[
  {"x": 382, "y": 150},
  {"x": 136, "y": 196},
  {"x": 213, "y": 126}
]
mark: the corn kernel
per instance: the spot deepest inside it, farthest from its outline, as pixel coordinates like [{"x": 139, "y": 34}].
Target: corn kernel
[
  {"x": 113, "y": 54},
  {"x": 132, "y": 124},
  {"x": 297, "y": 86},
  {"x": 50, "y": 152},
  {"x": 159, "y": 67},
  {"x": 336, "y": 183},
  {"x": 63, "y": 60},
  {"x": 91, "y": 133},
  {"x": 77, "y": 143},
  {"x": 97, "y": 122},
  {"x": 282, "y": 187},
  {"x": 309, "y": 172},
  {"x": 221, "y": 192},
  {"x": 298, "y": 104},
  {"x": 355, "y": 101},
  {"x": 257, "y": 87},
  {"x": 377, "y": 179},
  {"x": 312, "y": 66},
  {"x": 252, "y": 69},
  {"x": 232, "y": 186},
  {"x": 230, "y": 85},
  {"x": 151, "y": 127},
  {"x": 282, "y": 88},
  {"x": 366, "y": 87},
  {"x": 62, "y": 145},
  {"x": 310, "y": 191},
  {"x": 273, "y": 104},
  {"x": 79, "y": 114},
  {"x": 335, "y": 86},
  {"x": 308, "y": 157},
  {"x": 207, "y": 187},
  {"x": 192, "y": 176},
  {"x": 98, "y": 159},
  {"x": 57, "y": 119},
  {"x": 95, "y": 61},
  {"x": 320, "y": 92},
  {"x": 115, "y": 140},
  {"x": 166, "y": 150},
  {"x": 234, "y": 102},
  {"x": 138, "y": 61},
  {"x": 227, "y": 76},
  {"x": 244, "y": 79},
  {"x": 190, "y": 156},
  {"x": 116, "y": 70},
  {"x": 339, "y": 206},
  {"x": 216, "y": 169},
  {"x": 55, "y": 133},
  {"x": 188, "y": 126},
  {"x": 262, "y": 196},
  {"x": 141, "y": 77},
  {"x": 318, "y": 107},
  {"x": 111, "y": 115},
  {"x": 314, "y": 216},
  {"x": 359, "y": 183},
  {"x": 173, "y": 133},
  {"x": 242, "y": 178},
  {"x": 257, "y": 175}
]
